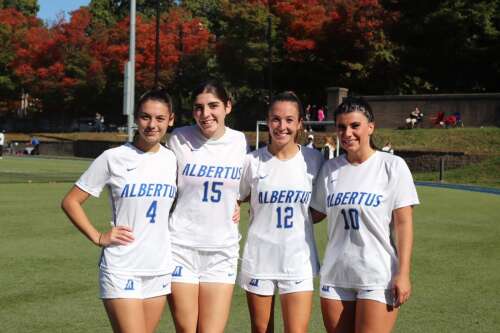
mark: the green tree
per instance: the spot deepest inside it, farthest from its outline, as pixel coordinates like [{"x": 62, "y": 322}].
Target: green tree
[
  {"x": 449, "y": 45},
  {"x": 27, "y": 7}
]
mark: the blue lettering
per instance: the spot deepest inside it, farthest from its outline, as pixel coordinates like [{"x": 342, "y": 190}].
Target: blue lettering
[
  {"x": 158, "y": 188},
  {"x": 124, "y": 192},
  {"x": 186, "y": 169},
  {"x": 345, "y": 198},
  {"x": 202, "y": 171},
  {"x": 274, "y": 197},
  {"x": 218, "y": 172},
  {"x": 142, "y": 190},
  {"x": 150, "y": 189},
  {"x": 353, "y": 198},
  {"x": 210, "y": 171},
  {"x": 370, "y": 199},
  {"x": 338, "y": 199},
  {"x": 361, "y": 197},
  {"x": 132, "y": 190},
  {"x": 227, "y": 171}
]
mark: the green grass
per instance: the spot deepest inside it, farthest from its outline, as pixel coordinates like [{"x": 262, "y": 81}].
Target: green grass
[
  {"x": 49, "y": 270},
  {"x": 468, "y": 140},
  {"x": 29, "y": 169},
  {"x": 485, "y": 173}
]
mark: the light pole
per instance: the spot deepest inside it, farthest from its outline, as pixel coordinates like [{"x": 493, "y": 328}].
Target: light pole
[
  {"x": 270, "y": 53},
  {"x": 157, "y": 45},
  {"x": 131, "y": 92}
]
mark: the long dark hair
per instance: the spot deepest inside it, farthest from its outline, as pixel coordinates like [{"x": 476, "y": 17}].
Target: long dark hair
[
  {"x": 156, "y": 94},
  {"x": 288, "y": 96},
  {"x": 356, "y": 104},
  {"x": 215, "y": 88}
]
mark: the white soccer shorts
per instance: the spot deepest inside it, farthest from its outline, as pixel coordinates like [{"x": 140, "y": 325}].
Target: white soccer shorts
[
  {"x": 195, "y": 266},
  {"x": 266, "y": 287},
  {"x": 114, "y": 285},
  {"x": 385, "y": 296}
]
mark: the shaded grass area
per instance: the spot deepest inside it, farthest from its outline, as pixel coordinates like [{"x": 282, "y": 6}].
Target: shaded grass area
[
  {"x": 49, "y": 270},
  {"x": 485, "y": 173},
  {"x": 468, "y": 140},
  {"x": 27, "y": 169}
]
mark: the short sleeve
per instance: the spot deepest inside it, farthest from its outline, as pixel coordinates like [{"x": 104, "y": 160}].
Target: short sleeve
[
  {"x": 318, "y": 201},
  {"x": 96, "y": 177},
  {"x": 173, "y": 141},
  {"x": 405, "y": 192},
  {"x": 246, "y": 178}
]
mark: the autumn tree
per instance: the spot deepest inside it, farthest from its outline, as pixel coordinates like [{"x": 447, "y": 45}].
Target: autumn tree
[
  {"x": 57, "y": 64},
  {"x": 13, "y": 27}
]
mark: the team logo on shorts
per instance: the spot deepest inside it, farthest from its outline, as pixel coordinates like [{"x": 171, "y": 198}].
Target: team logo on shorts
[
  {"x": 326, "y": 289},
  {"x": 129, "y": 285},
  {"x": 177, "y": 271},
  {"x": 254, "y": 282}
]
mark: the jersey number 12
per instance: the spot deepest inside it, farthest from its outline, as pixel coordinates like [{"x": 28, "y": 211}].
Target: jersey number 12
[{"x": 284, "y": 217}]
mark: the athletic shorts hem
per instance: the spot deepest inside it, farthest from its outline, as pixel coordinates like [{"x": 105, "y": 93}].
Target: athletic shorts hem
[{"x": 384, "y": 296}]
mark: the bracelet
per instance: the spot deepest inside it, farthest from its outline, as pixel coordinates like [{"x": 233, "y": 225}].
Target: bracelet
[{"x": 99, "y": 241}]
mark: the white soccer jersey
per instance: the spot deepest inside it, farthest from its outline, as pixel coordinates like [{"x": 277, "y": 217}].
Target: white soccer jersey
[
  {"x": 280, "y": 242},
  {"x": 141, "y": 189},
  {"x": 359, "y": 200},
  {"x": 208, "y": 178}
]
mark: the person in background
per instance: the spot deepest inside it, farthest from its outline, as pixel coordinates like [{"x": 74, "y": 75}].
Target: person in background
[
  {"x": 35, "y": 144},
  {"x": 136, "y": 264},
  {"x": 388, "y": 148},
  {"x": 2, "y": 143},
  {"x": 310, "y": 141},
  {"x": 366, "y": 195},
  {"x": 329, "y": 148}
]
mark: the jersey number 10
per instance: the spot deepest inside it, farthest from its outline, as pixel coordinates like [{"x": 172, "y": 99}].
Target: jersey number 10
[{"x": 351, "y": 220}]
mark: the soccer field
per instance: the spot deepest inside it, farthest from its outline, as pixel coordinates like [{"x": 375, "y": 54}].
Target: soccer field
[{"x": 48, "y": 279}]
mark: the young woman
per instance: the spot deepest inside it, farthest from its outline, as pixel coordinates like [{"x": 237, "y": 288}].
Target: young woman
[
  {"x": 366, "y": 194},
  {"x": 136, "y": 262},
  {"x": 205, "y": 238},
  {"x": 280, "y": 251}
]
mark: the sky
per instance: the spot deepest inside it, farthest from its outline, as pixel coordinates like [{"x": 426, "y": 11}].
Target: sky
[{"x": 49, "y": 9}]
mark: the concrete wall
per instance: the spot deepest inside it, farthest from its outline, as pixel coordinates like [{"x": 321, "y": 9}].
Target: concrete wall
[{"x": 392, "y": 110}]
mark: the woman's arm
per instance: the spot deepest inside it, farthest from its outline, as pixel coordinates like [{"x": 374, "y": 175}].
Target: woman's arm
[
  {"x": 403, "y": 227},
  {"x": 72, "y": 206}
]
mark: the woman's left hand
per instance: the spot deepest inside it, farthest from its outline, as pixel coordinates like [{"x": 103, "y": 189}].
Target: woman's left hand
[
  {"x": 236, "y": 214},
  {"x": 401, "y": 289}
]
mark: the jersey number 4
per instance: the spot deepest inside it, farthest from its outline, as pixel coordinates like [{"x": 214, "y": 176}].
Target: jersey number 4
[
  {"x": 212, "y": 193},
  {"x": 285, "y": 216},
  {"x": 151, "y": 213},
  {"x": 351, "y": 219}
]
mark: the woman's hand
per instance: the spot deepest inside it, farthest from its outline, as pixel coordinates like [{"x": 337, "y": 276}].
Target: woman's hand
[
  {"x": 120, "y": 235},
  {"x": 236, "y": 213},
  {"x": 401, "y": 285}
]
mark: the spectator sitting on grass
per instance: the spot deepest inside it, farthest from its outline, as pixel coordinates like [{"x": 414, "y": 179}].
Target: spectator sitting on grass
[
  {"x": 415, "y": 118},
  {"x": 388, "y": 148}
]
